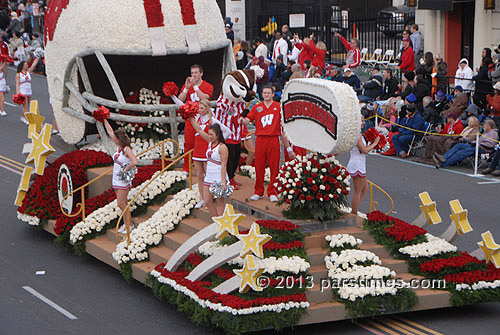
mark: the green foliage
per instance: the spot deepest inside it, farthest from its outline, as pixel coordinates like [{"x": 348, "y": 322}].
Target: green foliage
[
  {"x": 126, "y": 271},
  {"x": 63, "y": 239},
  {"x": 404, "y": 300},
  {"x": 316, "y": 211},
  {"x": 467, "y": 297}
]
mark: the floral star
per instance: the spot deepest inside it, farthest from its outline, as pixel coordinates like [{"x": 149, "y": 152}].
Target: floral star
[
  {"x": 34, "y": 118},
  {"x": 253, "y": 241},
  {"x": 249, "y": 274},
  {"x": 41, "y": 148},
  {"x": 228, "y": 222},
  {"x": 23, "y": 185},
  {"x": 490, "y": 248},
  {"x": 459, "y": 217}
]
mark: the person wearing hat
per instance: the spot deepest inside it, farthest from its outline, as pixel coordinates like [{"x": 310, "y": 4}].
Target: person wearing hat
[
  {"x": 463, "y": 76},
  {"x": 332, "y": 72},
  {"x": 373, "y": 87},
  {"x": 270, "y": 66},
  {"x": 15, "y": 24},
  {"x": 229, "y": 33},
  {"x": 407, "y": 57},
  {"x": 458, "y": 104},
  {"x": 412, "y": 122},
  {"x": 408, "y": 84},
  {"x": 441, "y": 144},
  {"x": 351, "y": 79}
]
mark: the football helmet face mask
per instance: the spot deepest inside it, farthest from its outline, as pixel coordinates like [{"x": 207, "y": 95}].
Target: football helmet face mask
[{"x": 98, "y": 51}]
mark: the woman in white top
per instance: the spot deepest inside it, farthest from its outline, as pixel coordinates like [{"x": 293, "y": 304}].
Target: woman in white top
[
  {"x": 217, "y": 155},
  {"x": 23, "y": 84},
  {"x": 3, "y": 87},
  {"x": 357, "y": 169},
  {"x": 124, "y": 155}
]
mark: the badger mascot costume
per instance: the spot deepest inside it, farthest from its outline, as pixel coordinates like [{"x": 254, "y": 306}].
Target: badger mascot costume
[{"x": 237, "y": 91}]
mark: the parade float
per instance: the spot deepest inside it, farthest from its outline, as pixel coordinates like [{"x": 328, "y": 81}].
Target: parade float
[{"x": 249, "y": 269}]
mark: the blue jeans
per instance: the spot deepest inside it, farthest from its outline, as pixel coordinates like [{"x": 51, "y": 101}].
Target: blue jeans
[
  {"x": 401, "y": 142},
  {"x": 365, "y": 98},
  {"x": 458, "y": 153},
  {"x": 495, "y": 163}
]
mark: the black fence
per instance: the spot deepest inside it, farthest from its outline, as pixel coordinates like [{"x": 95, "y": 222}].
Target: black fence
[{"x": 382, "y": 32}]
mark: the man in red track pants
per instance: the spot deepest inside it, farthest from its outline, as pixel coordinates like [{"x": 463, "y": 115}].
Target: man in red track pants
[
  {"x": 267, "y": 118},
  {"x": 194, "y": 89}
]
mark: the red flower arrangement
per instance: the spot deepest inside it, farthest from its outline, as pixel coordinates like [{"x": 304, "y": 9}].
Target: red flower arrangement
[
  {"x": 282, "y": 246},
  {"x": 457, "y": 262},
  {"x": 370, "y": 136},
  {"x": 101, "y": 113},
  {"x": 189, "y": 109},
  {"x": 19, "y": 98},
  {"x": 402, "y": 231},
  {"x": 472, "y": 277},
  {"x": 170, "y": 88},
  {"x": 278, "y": 225}
]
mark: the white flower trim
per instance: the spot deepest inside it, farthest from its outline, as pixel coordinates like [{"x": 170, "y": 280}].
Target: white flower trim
[
  {"x": 435, "y": 246},
  {"x": 294, "y": 264},
  {"x": 354, "y": 292},
  {"x": 480, "y": 285},
  {"x": 251, "y": 172},
  {"x": 98, "y": 219},
  {"x": 225, "y": 309},
  {"x": 342, "y": 240},
  {"x": 151, "y": 231},
  {"x": 31, "y": 220}
]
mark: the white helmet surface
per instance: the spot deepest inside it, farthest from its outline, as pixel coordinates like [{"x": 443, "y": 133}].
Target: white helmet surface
[{"x": 98, "y": 51}]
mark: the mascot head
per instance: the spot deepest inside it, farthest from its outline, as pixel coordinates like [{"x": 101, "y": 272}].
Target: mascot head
[{"x": 239, "y": 85}]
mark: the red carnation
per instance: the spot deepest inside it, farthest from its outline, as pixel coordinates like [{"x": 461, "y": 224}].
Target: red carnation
[
  {"x": 101, "y": 113},
  {"x": 309, "y": 180},
  {"x": 170, "y": 88},
  {"x": 318, "y": 196},
  {"x": 314, "y": 188},
  {"x": 189, "y": 109},
  {"x": 309, "y": 198}
]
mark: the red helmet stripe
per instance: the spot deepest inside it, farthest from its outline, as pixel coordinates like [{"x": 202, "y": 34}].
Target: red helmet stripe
[
  {"x": 187, "y": 10},
  {"x": 54, "y": 9},
  {"x": 154, "y": 15}
]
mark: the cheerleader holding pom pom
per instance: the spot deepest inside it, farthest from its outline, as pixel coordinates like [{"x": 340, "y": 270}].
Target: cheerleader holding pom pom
[{"x": 216, "y": 156}]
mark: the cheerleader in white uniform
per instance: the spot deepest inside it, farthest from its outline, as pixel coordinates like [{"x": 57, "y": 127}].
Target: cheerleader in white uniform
[
  {"x": 3, "y": 87},
  {"x": 23, "y": 84},
  {"x": 216, "y": 155},
  {"x": 357, "y": 169},
  {"x": 124, "y": 155}
]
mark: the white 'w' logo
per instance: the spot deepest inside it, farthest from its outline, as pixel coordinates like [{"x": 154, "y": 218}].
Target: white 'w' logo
[{"x": 267, "y": 120}]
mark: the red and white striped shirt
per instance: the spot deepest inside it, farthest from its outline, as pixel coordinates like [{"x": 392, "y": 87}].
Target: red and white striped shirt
[{"x": 228, "y": 112}]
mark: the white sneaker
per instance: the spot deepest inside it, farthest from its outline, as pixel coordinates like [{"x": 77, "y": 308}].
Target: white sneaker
[
  {"x": 122, "y": 229},
  {"x": 255, "y": 197},
  {"x": 23, "y": 120},
  {"x": 200, "y": 204},
  {"x": 3, "y": 113},
  {"x": 273, "y": 198}
]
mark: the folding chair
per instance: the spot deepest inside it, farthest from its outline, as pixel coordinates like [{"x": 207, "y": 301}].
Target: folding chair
[
  {"x": 364, "y": 52},
  {"x": 387, "y": 57},
  {"x": 375, "y": 57},
  {"x": 393, "y": 62},
  {"x": 419, "y": 145}
]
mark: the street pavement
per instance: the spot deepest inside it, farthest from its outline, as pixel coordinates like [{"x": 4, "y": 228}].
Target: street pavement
[{"x": 103, "y": 303}]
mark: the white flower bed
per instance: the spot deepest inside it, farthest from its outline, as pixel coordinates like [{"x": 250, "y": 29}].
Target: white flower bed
[
  {"x": 435, "y": 246},
  {"x": 31, "y": 220},
  {"x": 150, "y": 232},
  {"x": 221, "y": 308},
  {"x": 294, "y": 264},
  {"x": 251, "y": 172},
  {"x": 98, "y": 219},
  {"x": 343, "y": 241},
  {"x": 480, "y": 285}
]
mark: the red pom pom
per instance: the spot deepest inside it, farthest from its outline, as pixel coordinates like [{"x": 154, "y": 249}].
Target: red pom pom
[
  {"x": 382, "y": 142},
  {"x": 19, "y": 99},
  {"x": 170, "y": 88},
  {"x": 189, "y": 109},
  {"x": 101, "y": 113},
  {"x": 370, "y": 136},
  {"x": 6, "y": 59}
]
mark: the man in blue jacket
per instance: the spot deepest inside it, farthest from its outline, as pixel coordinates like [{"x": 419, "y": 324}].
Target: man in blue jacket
[{"x": 402, "y": 139}]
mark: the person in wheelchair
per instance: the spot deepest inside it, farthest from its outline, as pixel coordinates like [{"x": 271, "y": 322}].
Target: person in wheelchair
[{"x": 465, "y": 149}]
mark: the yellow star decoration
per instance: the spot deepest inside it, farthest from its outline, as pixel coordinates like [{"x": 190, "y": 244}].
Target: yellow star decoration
[
  {"x": 490, "y": 248},
  {"x": 23, "y": 185},
  {"x": 459, "y": 217},
  {"x": 34, "y": 118},
  {"x": 428, "y": 207},
  {"x": 41, "y": 148},
  {"x": 249, "y": 274},
  {"x": 228, "y": 222},
  {"x": 253, "y": 241}
]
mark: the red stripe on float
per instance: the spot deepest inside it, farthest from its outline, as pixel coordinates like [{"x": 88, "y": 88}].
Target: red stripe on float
[
  {"x": 154, "y": 16},
  {"x": 187, "y": 10}
]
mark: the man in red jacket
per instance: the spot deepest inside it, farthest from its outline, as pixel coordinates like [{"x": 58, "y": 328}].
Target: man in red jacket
[
  {"x": 407, "y": 57},
  {"x": 267, "y": 118},
  {"x": 353, "y": 58}
]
